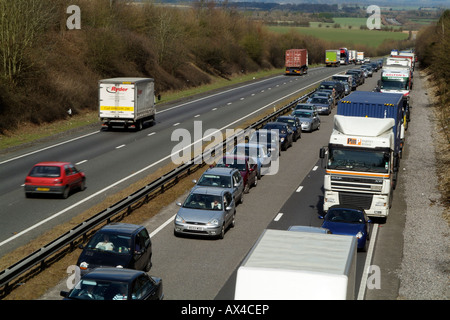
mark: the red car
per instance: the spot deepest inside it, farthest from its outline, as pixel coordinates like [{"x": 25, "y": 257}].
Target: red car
[
  {"x": 54, "y": 178},
  {"x": 245, "y": 166}
]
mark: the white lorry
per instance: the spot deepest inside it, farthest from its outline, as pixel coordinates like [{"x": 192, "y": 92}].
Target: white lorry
[
  {"x": 395, "y": 79},
  {"x": 290, "y": 265},
  {"x": 359, "y": 57},
  {"x": 362, "y": 162},
  {"x": 126, "y": 102}
]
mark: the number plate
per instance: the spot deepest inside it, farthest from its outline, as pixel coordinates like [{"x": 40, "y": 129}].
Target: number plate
[
  {"x": 43, "y": 189},
  {"x": 194, "y": 228}
]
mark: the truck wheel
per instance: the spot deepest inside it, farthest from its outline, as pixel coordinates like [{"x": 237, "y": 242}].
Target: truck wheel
[{"x": 139, "y": 125}]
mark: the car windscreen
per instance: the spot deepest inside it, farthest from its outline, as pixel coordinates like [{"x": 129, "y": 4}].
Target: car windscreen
[
  {"x": 203, "y": 201},
  {"x": 319, "y": 100},
  {"x": 344, "y": 215},
  {"x": 215, "y": 180},
  {"x": 110, "y": 242},
  {"x": 99, "y": 290},
  {"x": 302, "y": 114}
]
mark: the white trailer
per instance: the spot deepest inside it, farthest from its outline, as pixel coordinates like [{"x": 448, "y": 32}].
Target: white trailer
[
  {"x": 126, "y": 102},
  {"x": 289, "y": 265}
]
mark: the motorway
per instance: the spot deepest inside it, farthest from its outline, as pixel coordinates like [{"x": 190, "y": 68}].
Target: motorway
[
  {"x": 191, "y": 268},
  {"x": 115, "y": 159}
]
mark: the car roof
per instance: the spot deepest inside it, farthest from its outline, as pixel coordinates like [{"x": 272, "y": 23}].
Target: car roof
[
  {"x": 220, "y": 170},
  {"x": 236, "y": 157},
  {"x": 52, "y": 163},
  {"x": 275, "y": 124},
  {"x": 116, "y": 274},
  {"x": 250, "y": 144},
  {"x": 123, "y": 228},
  {"x": 341, "y": 206},
  {"x": 286, "y": 117},
  {"x": 208, "y": 190}
]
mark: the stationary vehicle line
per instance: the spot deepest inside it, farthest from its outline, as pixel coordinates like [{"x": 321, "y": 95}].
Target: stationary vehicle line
[
  {"x": 363, "y": 285},
  {"x": 148, "y": 167}
]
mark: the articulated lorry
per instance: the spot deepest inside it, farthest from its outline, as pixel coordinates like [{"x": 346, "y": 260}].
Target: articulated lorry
[
  {"x": 395, "y": 79},
  {"x": 359, "y": 57},
  {"x": 352, "y": 56},
  {"x": 332, "y": 58},
  {"x": 296, "y": 61},
  {"x": 344, "y": 56},
  {"x": 126, "y": 102},
  {"x": 291, "y": 265},
  {"x": 364, "y": 152}
]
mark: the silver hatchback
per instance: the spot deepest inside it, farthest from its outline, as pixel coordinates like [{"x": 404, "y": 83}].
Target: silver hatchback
[{"x": 206, "y": 212}]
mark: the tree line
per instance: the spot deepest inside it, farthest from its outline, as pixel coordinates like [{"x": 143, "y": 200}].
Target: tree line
[{"x": 46, "y": 68}]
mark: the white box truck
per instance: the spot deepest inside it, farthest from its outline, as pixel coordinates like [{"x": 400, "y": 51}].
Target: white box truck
[
  {"x": 289, "y": 265},
  {"x": 126, "y": 102}
]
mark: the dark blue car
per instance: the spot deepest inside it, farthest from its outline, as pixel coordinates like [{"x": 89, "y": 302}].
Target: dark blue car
[{"x": 348, "y": 220}]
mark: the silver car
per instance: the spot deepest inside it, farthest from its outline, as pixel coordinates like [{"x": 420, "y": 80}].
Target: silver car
[
  {"x": 310, "y": 119},
  {"x": 206, "y": 212},
  {"x": 225, "y": 178}
]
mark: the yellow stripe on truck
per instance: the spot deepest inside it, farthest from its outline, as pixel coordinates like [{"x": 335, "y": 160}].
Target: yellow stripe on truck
[{"x": 110, "y": 108}]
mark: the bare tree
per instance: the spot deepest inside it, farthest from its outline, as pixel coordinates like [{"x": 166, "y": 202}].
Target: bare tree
[{"x": 21, "y": 23}]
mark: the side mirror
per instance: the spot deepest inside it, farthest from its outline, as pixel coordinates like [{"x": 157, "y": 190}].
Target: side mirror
[
  {"x": 194, "y": 181},
  {"x": 322, "y": 153},
  {"x": 179, "y": 204}
]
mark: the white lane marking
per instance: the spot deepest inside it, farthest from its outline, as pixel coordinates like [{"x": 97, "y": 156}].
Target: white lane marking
[
  {"x": 80, "y": 162},
  {"x": 373, "y": 238},
  {"x": 278, "y": 217},
  {"x": 315, "y": 168},
  {"x": 121, "y": 146},
  {"x": 150, "y": 134},
  {"x": 49, "y": 147},
  {"x": 146, "y": 168},
  {"x": 299, "y": 189},
  {"x": 175, "y": 124},
  {"x": 196, "y": 116},
  {"x": 219, "y": 93}
]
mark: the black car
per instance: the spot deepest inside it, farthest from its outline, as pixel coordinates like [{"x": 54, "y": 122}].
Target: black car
[
  {"x": 116, "y": 284},
  {"x": 338, "y": 87},
  {"x": 285, "y": 133},
  {"x": 358, "y": 74},
  {"x": 294, "y": 123},
  {"x": 117, "y": 245}
]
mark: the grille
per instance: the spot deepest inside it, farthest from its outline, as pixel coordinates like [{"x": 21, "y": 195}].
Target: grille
[{"x": 356, "y": 199}]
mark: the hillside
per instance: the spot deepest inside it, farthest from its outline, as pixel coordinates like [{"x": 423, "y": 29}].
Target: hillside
[{"x": 47, "y": 68}]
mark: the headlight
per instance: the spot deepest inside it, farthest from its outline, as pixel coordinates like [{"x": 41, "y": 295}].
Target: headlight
[
  {"x": 179, "y": 219},
  {"x": 359, "y": 235},
  {"x": 119, "y": 267},
  {"x": 282, "y": 140},
  {"x": 213, "y": 222},
  {"x": 84, "y": 266}
]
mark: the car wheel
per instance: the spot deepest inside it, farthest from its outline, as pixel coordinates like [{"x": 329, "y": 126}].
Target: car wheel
[
  {"x": 65, "y": 193},
  {"x": 222, "y": 232},
  {"x": 233, "y": 222},
  {"x": 246, "y": 188},
  {"x": 241, "y": 199},
  {"x": 83, "y": 185},
  {"x": 255, "y": 183},
  {"x": 149, "y": 264}
]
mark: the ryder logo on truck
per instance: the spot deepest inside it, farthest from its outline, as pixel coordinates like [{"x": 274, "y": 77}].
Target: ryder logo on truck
[{"x": 115, "y": 89}]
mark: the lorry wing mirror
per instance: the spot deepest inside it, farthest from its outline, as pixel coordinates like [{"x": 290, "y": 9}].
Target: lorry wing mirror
[{"x": 322, "y": 153}]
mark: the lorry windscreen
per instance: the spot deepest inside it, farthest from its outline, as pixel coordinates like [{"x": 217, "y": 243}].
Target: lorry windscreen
[
  {"x": 394, "y": 84},
  {"x": 358, "y": 159}
]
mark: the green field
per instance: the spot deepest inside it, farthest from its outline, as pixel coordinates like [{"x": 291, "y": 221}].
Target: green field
[{"x": 370, "y": 38}]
